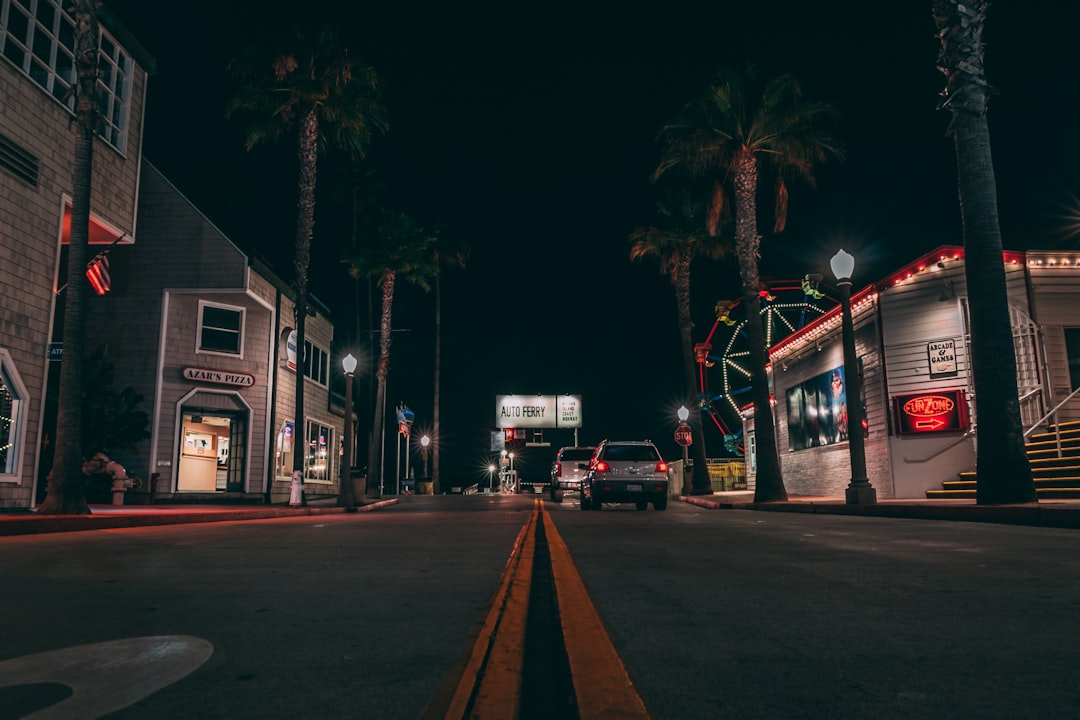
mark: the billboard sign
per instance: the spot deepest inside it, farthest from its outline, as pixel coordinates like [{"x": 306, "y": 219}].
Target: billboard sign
[{"x": 537, "y": 411}]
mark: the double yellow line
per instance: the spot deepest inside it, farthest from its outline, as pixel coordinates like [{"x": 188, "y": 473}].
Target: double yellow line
[{"x": 489, "y": 684}]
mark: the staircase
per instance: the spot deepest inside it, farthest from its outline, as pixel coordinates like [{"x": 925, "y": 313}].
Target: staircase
[{"x": 1055, "y": 477}]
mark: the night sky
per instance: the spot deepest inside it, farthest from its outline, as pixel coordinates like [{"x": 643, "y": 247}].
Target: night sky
[{"x": 530, "y": 133}]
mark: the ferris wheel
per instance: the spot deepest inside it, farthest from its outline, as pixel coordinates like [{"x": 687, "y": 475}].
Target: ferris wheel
[{"x": 724, "y": 357}]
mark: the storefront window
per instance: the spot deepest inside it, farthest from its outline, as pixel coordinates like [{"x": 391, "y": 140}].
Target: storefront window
[
  {"x": 283, "y": 452},
  {"x": 318, "y": 463},
  {"x": 9, "y": 418}
]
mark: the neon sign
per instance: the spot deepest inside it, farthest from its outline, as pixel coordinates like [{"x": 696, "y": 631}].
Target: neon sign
[{"x": 941, "y": 411}]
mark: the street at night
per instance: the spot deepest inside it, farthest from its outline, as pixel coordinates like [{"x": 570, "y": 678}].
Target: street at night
[{"x": 714, "y": 613}]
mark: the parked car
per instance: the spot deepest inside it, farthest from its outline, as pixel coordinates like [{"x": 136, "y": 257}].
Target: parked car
[
  {"x": 567, "y": 470},
  {"x": 625, "y": 471}
]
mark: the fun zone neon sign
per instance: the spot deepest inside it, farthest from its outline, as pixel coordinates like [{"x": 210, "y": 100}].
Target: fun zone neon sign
[{"x": 941, "y": 411}]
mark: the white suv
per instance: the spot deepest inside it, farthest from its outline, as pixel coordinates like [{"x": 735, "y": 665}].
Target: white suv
[
  {"x": 567, "y": 470},
  {"x": 625, "y": 472}
]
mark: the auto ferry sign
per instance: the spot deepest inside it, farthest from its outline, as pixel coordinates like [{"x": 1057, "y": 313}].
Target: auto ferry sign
[
  {"x": 939, "y": 411},
  {"x": 537, "y": 411}
]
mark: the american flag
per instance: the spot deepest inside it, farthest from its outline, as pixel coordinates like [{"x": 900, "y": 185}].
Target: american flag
[{"x": 97, "y": 272}]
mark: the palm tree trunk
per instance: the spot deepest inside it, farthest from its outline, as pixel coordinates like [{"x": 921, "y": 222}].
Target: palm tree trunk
[
  {"x": 700, "y": 483},
  {"x": 769, "y": 479},
  {"x": 305, "y": 225},
  {"x": 1003, "y": 470},
  {"x": 382, "y": 372},
  {"x": 438, "y": 365},
  {"x": 66, "y": 490}
]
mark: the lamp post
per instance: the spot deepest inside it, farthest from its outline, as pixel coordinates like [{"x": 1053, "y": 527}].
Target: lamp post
[
  {"x": 491, "y": 478},
  {"x": 424, "y": 442},
  {"x": 684, "y": 415},
  {"x": 347, "y": 494},
  {"x": 860, "y": 491}
]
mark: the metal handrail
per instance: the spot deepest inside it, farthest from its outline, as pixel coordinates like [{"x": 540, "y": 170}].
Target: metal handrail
[
  {"x": 1057, "y": 425},
  {"x": 1052, "y": 412},
  {"x": 973, "y": 430},
  {"x": 970, "y": 432}
]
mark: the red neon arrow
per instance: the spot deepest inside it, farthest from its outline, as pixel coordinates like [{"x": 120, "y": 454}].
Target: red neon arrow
[{"x": 930, "y": 424}]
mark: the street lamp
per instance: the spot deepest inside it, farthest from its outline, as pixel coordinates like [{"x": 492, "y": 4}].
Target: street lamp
[
  {"x": 491, "y": 478},
  {"x": 860, "y": 491},
  {"x": 684, "y": 415},
  {"x": 347, "y": 494},
  {"x": 424, "y": 442}
]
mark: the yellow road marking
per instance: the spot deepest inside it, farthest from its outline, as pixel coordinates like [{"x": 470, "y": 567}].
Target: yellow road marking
[
  {"x": 601, "y": 683},
  {"x": 490, "y": 683}
]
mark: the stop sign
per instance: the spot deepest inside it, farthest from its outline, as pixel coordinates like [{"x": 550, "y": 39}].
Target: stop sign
[{"x": 683, "y": 435}]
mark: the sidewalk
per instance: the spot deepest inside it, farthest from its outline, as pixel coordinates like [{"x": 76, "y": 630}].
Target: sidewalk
[
  {"x": 104, "y": 517},
  {"x": 1045, "y": 513}
]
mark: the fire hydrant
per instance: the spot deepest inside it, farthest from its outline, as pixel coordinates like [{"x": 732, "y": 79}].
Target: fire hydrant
[{"x": 102, "y": 464}]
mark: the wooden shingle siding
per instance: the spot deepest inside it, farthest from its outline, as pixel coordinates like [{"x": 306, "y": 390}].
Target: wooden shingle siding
[
  {"x": 1055, "y": 289},
  {"x": 30, "y": 224}
]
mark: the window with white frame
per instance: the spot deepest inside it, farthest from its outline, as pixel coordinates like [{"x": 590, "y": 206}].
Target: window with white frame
[
  {"x": 12, "y": 395},
  {"x": 316, "y": 363},
  {"x": 38, "y": 37},
  {"x": 319, "y": 465},
  {"x": 221, "y": 329}
]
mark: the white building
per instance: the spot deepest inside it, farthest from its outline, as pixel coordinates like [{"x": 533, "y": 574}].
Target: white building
[{"x": 912, "y": 338}]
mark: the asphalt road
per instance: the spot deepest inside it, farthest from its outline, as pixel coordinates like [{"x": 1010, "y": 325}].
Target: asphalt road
[{"x": 715, "y": 613}]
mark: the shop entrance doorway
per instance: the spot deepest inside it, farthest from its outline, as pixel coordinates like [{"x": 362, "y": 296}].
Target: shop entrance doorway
[{"x": 212, "y": 451}]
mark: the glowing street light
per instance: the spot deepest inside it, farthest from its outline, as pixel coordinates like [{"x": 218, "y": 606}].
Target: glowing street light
[
  {"x": 424, "y": 442},
  {"x": 860, "y": 491},
  {"x": 684, "y": 415},
  {"x": 347, "y": 494}
]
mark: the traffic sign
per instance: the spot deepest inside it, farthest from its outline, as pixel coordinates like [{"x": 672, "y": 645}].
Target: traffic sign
[{"x": 683, "y": 435}]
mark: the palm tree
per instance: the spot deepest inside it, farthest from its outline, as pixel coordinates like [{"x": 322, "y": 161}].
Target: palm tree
[
  {"x": 450, "y": 253},
  {"x": 66, "y": 490},
  {"x": 1003, "y": 471},
  {"x": 398, "y": 249},
  {"x": 317, "y": 90},
  {"x": 732, "y": 134},
  {"x": 681, "y": 238}
]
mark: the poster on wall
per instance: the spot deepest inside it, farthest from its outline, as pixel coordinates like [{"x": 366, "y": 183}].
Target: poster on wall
[
  {"x": 198, "y": 444},
  {"x": 817, "y": 411}
]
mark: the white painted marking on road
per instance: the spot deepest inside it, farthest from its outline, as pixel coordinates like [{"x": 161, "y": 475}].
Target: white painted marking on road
[{"x": 107, "y": 676}]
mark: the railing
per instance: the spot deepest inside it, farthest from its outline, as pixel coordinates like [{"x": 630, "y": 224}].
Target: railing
[
  {"x": 970, "y": 433},
  {"x": 1030, "y": 407},
  {"x": 1057, "y": 426}
]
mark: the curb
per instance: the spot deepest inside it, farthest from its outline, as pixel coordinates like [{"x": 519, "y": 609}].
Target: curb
[
  {"x": 1031, "y": 515},
  {"x": 39, "y": 524}
]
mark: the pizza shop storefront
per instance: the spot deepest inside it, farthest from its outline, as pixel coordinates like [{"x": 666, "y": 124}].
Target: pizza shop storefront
[{"x": 213, "y": 436}]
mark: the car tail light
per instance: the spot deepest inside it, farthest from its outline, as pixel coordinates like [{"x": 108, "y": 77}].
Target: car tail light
[
  {"x": 601, "y": 466},
  {"x": 558, "y": 469},
  {"x": 661, "y": 467}
]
